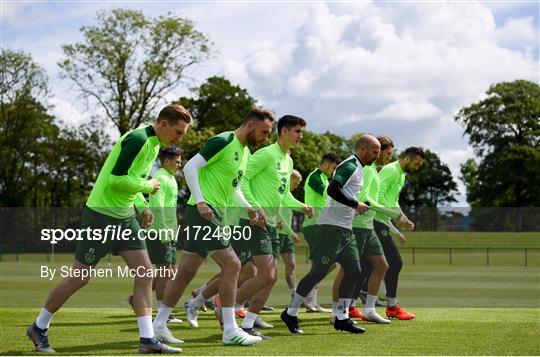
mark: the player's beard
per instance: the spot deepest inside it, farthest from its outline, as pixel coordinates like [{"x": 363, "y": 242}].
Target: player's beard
[{"x": 252, "y": 142}]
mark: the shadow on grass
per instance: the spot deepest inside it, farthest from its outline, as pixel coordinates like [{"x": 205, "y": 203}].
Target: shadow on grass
[{"x": 93, "y": 349}]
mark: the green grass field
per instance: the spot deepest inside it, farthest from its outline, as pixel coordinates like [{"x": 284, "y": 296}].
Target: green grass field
[{"x": 464, "y": 309}]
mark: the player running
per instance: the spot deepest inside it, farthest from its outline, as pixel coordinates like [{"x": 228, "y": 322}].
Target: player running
[
  {"x": 334, "y": 240},
  {"x": 214, "y": 177},
  {"x": 392, "y": 178},
  {"x": 288, "y": 238},
  {"x": 120, "y": 186},
  {"x": 366, "y": 237},
  {"x": 266, "y": 187},
  {"x": 163, "y": 204},
  {"x": 315, "y": 195}
]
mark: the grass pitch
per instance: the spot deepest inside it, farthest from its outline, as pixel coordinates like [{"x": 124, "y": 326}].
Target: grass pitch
[{"x": 461, "y": 310}]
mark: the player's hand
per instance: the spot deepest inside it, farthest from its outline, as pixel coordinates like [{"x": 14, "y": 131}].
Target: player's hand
[
  {"x": 361, "y": 208},
  {"x": 402, "y": 239},
  {"x": 147, "y": 218},
  {"x": 205, "y": 211},
  {"x": 295, "y": 238},
  {"x": 409, "y": 225},
  {"x": 308, "y": 211},
  {"x": 262, "y": 219},
  {"x": 280, "y": 225},
  {"x": 155, "y": 185},
  {"x": 253, "y": 215}
]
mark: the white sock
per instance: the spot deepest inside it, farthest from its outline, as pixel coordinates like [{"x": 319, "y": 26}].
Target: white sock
[
  {"x": 293, "y": 291},
  {"x": 296, "y": 302},
  {"x": 197, "y": 301},
  {"x": 370, "y": 301},
  {"x": 309, "y": 297},
  {"x": 145, "y": 326},
  {"x": 44, "y": 319},
  {"x": 162, "y": 315},
  {"x": 343, "y": 309},
  {"x": 335, "y": 306},
  {"x": 249, "y": 320},
  {"x": 229, "y": 322},
  {"x": 392, "y": 301},
  {"x": 314, "y": 296},
  {"x": 353, "y": 302},
  {"x": 158, "y": 304}
]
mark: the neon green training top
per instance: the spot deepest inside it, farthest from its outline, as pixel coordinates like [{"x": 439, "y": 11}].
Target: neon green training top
[
  {"x": 370, "y": 193},
  {"x": 392, "y": 179},
  {"x": 226, "y": 159},
  {"x": 123, "y": 178},
  {"x": 266, "y": 183},
  {"x": 163, "y": 203},
  {"x": 315, "y": 194}
]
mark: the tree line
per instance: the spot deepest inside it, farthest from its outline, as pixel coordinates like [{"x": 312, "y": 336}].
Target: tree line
[{"x": 126, "y": 62}]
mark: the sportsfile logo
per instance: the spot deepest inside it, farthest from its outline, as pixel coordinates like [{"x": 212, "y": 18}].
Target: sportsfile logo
[{"x": 118, "y": 233}]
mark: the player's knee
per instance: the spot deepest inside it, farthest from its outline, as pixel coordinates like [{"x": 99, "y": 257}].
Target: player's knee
[
  {"x": 232, "y": 266},
  {"x": 382, "y": 268},
  {"x": 397, "y": 264},
  {"x": 78, "y": 282}
]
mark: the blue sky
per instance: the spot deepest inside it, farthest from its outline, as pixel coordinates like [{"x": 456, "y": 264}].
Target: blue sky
[{"x": 397, "y": 68}]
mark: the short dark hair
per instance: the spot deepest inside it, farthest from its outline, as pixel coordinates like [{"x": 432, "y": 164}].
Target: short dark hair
[
  {"x": 168, "y": 153},
  {"x": 331, "y": 157},
  {"x": 288, "y": 121},
  {"x": 173, "y": 113},
  {"x": 260, "y": 114},
  {"x": 413, "y": 151},
  {"x": 385, "y": 141}
]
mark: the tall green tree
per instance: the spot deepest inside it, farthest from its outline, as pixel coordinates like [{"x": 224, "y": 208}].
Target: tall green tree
[
  {"x": 127, "y": 63},
  {"x": 504, "y": 130},
  {"x": 219, "y": 104},
  {"x": 431, "y": 186},
  {"x": 25, "y": 127}
]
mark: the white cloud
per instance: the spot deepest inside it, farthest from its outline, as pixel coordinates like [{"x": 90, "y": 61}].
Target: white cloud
[
  {"x": 518, "y": 33},
  {"x": 409, "y": 110}
]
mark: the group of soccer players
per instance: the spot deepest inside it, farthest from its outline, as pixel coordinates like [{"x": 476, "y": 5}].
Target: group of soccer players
[{"x": 350, "y": 206}]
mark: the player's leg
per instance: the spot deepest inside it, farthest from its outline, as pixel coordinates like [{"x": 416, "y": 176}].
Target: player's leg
[
  {"x": 324, "y": 247},
  {"x": 185, "y": 272},
  {"x": 289, "y": 260},
  {"x": 142, "y": 301},
  {"x": 395, "y": 263},
  {"x": 87, "y": 255},
  {"x": 230, "y": 269}
]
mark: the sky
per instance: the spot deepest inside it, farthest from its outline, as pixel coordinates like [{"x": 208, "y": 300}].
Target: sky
[{"x": 401, "y": 68}]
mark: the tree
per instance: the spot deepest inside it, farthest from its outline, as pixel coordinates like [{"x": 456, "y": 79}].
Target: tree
[
  {"x": 127, "y": 63},
  {"x": 504, "y": 130},
  {"x": 431, "y": 186},
  {"x": 219, "y": 104},
  {"x": 25, "y": 127}
]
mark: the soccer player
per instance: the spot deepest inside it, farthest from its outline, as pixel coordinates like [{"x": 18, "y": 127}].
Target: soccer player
[
  {"x": 288, "y": 238},
  {"x": 214, "y": 177},
  {"x": 315, "y": 195},
  {"x": 392, "y": 178},
  {"x": 266, "y": 187},
  {"x": 366, "y": 237},
  {"x": 163, "y": 204},
  {"x": 119, "y": 186},
  {"x": 334, "y": 240}
]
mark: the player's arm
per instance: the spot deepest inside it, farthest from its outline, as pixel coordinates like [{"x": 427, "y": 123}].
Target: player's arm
[
  {"x": 316, "y": 184},
  {"x": 336, "y": 192},
  {"x": 257, "y": 163},
  {"x": 121, "y": 178},
  {"x": 158, "y": 205},
  {"x": 191, "y": 173}
]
